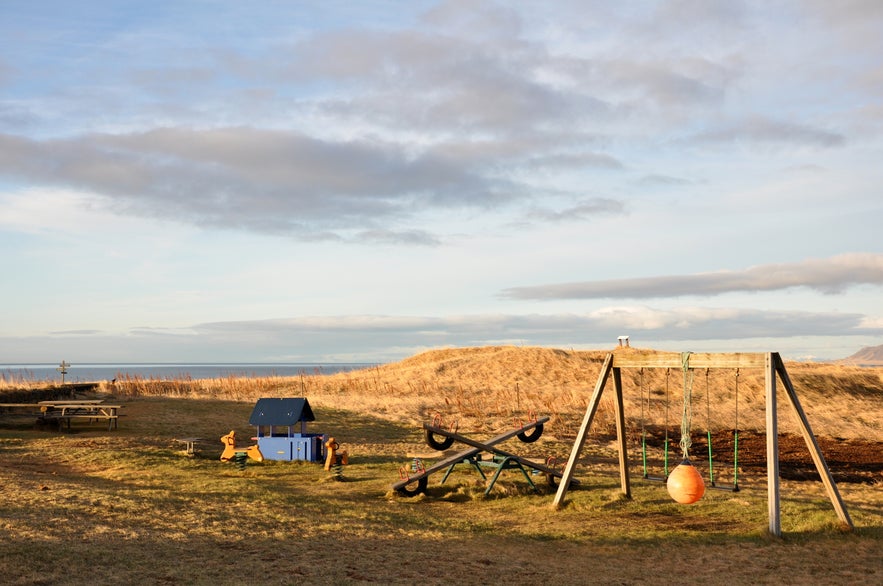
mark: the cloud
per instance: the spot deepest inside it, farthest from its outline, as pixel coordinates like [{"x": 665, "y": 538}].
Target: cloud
[
  {"x": 583, "y": 210},
  {"x": 372, "y": 338},
  {"x": 827, "y": 275},
  {"x": 667, "y": 84},
  {"x": 602, "y": 324},
  {"x": 769, "y": 131},
  {"x": 575, "y": 161},
  {"x": 351, "y": 132},
  {"x": 848, "y": 13},
  {"x": 264, "y": 181},
  {"x": 75, "y": 333},
  {"x": 435, "y": 81},
  {"x": 416, "y": 237},
  {"x": 659, "y": 180}
]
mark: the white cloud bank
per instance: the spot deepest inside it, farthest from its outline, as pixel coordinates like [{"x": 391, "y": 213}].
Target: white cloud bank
[
  {"x": 827, "y": 275},
  {"x": 382, "y": 338}
]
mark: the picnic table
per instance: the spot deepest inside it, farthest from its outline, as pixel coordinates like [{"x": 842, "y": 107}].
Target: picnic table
[{"x": 62, "y": 411}]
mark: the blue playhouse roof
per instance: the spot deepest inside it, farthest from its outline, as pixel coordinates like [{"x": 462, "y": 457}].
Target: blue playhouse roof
[{"x": 271, "y": 411}]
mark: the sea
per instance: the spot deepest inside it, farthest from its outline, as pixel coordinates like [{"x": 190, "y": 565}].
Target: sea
[{"x": 166, "y": 371}]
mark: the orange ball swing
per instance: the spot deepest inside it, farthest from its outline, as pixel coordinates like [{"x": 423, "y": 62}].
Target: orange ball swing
[{"x": 685, "y": 484}]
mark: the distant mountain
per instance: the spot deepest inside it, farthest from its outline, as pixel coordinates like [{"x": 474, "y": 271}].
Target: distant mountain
[{"x": 869, "y": 356}]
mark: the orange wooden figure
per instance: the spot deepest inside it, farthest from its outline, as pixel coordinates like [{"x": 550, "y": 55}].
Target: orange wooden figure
[
  {"x": 230, "y": 449},
  {"x": 335, "y": 456}
]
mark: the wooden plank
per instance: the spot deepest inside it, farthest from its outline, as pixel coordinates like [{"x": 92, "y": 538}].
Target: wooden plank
[
  {"x": 811, "y": 443},
  {"x": 72, "y": 402},
  {"x": 85, "y": 409},
  {"x": 583, "y": 431},
  {"x": 80, "y": 416},
  {"x": 620, "y": 435},
  {"x": 638, "y": 359},
  {"x": 772, "y": 449},
  {"x": 459, "y": 456},
  {"x": 48, "y": 405}
]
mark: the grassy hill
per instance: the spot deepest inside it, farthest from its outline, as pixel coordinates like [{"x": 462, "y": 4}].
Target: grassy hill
[{"x": 484, "y": 386}]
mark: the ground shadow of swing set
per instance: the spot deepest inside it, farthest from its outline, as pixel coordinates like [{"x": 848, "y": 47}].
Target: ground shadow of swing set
[{"x": 772, "y": 365}]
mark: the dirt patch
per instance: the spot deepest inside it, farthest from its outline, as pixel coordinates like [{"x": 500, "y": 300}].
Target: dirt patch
[{"x": 849, "y": 460}]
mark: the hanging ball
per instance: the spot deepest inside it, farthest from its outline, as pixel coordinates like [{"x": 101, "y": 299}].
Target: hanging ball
[{"x": 685, "y": 484}]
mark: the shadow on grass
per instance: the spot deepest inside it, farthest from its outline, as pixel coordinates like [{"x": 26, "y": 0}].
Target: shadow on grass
[
  {"x": 360, "y": 428},
  {"x": 340, "y": 554},
  {"x": 179, "y": 417}
]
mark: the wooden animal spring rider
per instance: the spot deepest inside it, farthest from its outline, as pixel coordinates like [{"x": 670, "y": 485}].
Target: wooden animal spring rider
[
  {"x": 239, "y": 455},
  {"x": 336, "y": 458}
]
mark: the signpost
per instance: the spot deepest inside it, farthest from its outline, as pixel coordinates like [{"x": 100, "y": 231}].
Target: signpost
[{"x": 62, "y": 368}]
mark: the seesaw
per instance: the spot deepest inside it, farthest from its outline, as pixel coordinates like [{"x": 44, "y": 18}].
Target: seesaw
[{"x": 502, "y": 460}]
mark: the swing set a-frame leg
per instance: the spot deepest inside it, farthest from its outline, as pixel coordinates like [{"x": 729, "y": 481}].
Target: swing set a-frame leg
[
  {"x": 811, "y": 443},
  {"x": 619, "y": 411},
  {"x": 567, "y": 475}
]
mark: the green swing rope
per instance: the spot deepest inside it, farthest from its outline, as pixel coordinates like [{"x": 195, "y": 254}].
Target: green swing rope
[
  {"x": 687, "y": 413},
  {"x": 667, "y": 410},
  {"x": 643, "y": 429},
  {"x": 735, "y": 436},
  {"x": 646, "y": 413},
  {"x": 708, "y": 426},
  {"x": 736, "y": 440}
]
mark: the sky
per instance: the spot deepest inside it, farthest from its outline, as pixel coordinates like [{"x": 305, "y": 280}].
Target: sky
[{"x": 330, "y": 181}]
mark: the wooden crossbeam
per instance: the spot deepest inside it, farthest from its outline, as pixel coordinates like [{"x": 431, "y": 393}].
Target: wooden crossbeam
[{"x": 638, "y": 359}]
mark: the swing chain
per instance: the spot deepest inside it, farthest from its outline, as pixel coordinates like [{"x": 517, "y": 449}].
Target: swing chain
[
  {"x": 643, "y": 432},
  {"x": 687, "y": 413},
  {"x": 737, "y": 401}
]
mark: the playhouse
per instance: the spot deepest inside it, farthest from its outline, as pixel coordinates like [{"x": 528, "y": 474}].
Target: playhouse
[{"x": 282, "y": 430}]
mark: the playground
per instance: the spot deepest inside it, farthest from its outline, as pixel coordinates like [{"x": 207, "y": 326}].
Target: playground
[{"x": 91, "y": 502}]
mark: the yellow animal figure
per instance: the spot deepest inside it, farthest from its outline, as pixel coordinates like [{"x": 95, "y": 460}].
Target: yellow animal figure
[
  {"x": 335, "y": 457},
  {"x": 230, "y": 449}
]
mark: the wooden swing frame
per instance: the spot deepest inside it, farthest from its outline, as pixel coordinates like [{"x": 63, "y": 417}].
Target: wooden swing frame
[{"x": 772, "y": 364}]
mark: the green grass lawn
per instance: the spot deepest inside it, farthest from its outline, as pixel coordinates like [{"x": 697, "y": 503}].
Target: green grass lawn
[{"x": 129, "y": 506}]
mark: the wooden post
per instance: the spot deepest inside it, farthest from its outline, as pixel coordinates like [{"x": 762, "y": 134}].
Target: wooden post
[
  {"x": 812, "y": 444},
  {"x": 620, "y": 434},
  {"x": 62, "y": 368},
  {"x": 583, "y": 431},
  {"x": 772, "y": 448}
]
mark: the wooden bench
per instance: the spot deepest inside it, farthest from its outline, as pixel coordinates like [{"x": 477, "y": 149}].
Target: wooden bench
[{"x": 190, "y": 444}]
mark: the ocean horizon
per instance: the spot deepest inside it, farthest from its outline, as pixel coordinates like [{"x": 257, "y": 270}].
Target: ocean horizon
[{"x": 96, "y": 371}]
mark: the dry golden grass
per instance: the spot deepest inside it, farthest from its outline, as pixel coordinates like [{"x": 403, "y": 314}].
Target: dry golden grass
[
  {"x": 129, "y": 507},
  {"x": 485, "y": 388}
]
